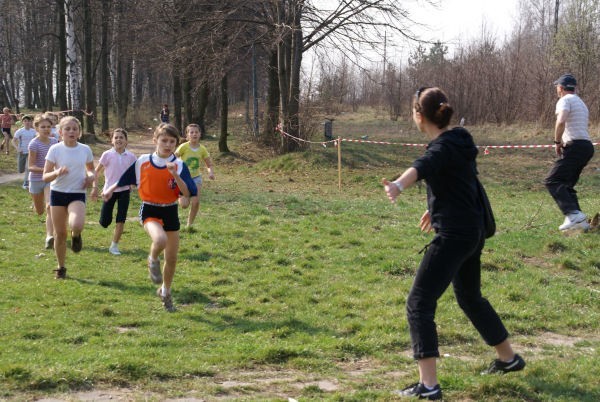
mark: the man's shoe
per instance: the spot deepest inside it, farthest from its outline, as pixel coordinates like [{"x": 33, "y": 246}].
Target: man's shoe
[
  {"x": 167, "y": 301},
  {"x": 76, "y": 243},
  {"x": 575, "y": 220},
  {"x": 49, "y": 243},
  {"x": 114, "y": 250},
  {"x": 154, "y": 270},
  {"x": 501, "y": 367},
  {"x": 419, "y": 390},
  {"x": 60, "y": 273}
]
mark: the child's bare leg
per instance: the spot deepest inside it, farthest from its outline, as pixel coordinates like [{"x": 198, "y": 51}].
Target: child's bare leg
[
  {"x": 49, "y": 224},
  {"x": 195, "y": 201},
  {"x": 158, "y": 237},
  {"x": 39, "y": 202},
  {"x": 59, "y": 219},
  {"x": 119, "y": 227},
  {"x": 170, "y": 259},
  {"x": 76, "y": 217}
]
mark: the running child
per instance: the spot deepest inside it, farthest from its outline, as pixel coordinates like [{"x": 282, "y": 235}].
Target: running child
[
  {"x": 161, "y": 178},
  {"x": 38, "y": 188},
  {"x": 192, "y": 153},
  {"x": 70, "y": 169},
  {"x": 114, "y": 163},
  {"x": 6, "y": 122},
  {"x": 20, "y": 141}
]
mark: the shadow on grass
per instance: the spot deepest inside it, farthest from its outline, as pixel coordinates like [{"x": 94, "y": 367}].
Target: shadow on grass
[
  {"x": 557, "y": 390},
  {"x": 242, "y": 325}
]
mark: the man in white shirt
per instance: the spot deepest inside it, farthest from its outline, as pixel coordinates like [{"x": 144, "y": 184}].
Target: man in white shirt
[{"x": 574, "y": 150}]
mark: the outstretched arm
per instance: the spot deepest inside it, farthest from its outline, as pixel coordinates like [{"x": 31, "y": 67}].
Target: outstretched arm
[{"x": 394, "y": 188}]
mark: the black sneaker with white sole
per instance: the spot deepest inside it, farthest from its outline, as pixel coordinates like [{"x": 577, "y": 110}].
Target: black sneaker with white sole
[
  {"x": 419, "y": 390},
  {"x": 501, "y": 367}
]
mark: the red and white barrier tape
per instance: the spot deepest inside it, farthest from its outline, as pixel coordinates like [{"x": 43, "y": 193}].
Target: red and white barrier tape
[{"x": 486, "y": 148}]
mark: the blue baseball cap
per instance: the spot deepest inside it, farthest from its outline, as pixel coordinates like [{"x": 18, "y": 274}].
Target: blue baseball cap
[{"x": 567, "y": 81}]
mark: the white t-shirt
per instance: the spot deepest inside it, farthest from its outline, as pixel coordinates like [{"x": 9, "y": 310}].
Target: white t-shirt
[
  {"x": 576, "y": 125},
  {"x": 75, "y": 159},
  {"x": 24, "y": 137}
]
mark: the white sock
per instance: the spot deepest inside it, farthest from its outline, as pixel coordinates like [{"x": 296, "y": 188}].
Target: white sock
[
  {"x": 113, "y": 244},
  {"x": 164, "y": 291}
]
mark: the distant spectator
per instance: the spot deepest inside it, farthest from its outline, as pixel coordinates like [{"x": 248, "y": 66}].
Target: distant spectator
[
  {"x": 574, "y": 150},
  {"x": 164, "y": 114}
]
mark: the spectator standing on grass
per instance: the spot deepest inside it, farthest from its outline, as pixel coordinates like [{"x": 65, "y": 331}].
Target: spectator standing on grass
[
  {"x": 20, "y": 141},
  {"x": 574, "y": 150},
  {"x": 70, "y": 169},
  {"x": 38, "y": 188},
  {"x": 161, "y": 179},
  {"x": 114, "y": 163},
  {"x": 455, "y": 213},
  {"x": 164, "y": 114},
  {"x": 6, "y": 122},
  {"x": 194, "y": 154}
]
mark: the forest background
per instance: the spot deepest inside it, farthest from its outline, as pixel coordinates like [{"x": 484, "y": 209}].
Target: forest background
[{"x": 97, "y": 57}]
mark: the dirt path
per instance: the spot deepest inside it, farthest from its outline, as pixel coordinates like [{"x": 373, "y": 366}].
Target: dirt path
[{"x": 140, "y": 143}]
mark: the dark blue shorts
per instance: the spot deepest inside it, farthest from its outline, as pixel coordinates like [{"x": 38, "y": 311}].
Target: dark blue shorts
[
  {"x": 58, "y": 199},
  {"x": 167, "y": 216}
]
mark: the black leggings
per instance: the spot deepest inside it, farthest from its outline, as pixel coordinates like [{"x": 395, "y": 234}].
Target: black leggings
[
  {"x": 450, "y": 258},
  {"x": 122, "y": 197}
]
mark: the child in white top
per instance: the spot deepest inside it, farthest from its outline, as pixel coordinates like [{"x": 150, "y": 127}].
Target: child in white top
[
  {"x": 70, "y": 169},
  {"x": 114, "y": 163},
  {"x": 20, "y": 141}
]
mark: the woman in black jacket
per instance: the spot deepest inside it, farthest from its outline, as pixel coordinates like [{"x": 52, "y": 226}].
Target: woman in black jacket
[{"x": 455, "y": 213}]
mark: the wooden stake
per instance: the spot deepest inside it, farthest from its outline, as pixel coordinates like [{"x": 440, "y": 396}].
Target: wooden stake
[{"x": 339, "y": 147}]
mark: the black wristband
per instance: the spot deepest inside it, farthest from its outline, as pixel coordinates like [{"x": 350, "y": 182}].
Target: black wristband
[{"x": 558, "y": 142}]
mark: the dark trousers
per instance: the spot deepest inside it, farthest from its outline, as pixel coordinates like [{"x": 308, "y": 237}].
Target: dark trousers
[
  {"x": 565, "y": 173},
  {"x": 450, "y": 258},
  {"x": 122, "y": 200}
]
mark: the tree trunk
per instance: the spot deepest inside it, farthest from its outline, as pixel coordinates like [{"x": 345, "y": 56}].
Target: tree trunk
[
  {"x": 89, "y": 76},
  {"x": 104, "y": 72},
  {"x": 272, "y": 105},
  {"x": 177, "y": 98},
  {"x": 73, "y": 62},
  {"x": 224, "y": 112},
  {"x": 202, "y": 105},
  {"x": 187, "y": 99},
  {"x": 61, "y": 76}
]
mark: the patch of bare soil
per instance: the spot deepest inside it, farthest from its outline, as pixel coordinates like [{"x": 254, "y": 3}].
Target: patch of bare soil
[{"x": 291, "y": 385}]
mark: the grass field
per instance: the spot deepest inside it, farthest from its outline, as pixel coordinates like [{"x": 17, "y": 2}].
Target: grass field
[{"x": 291, "y": 288}]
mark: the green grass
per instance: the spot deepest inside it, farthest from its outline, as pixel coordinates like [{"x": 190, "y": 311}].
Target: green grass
[{"x": 289, "y": 285}]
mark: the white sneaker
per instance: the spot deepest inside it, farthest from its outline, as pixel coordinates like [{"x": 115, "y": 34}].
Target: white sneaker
[
  {"x": 576, "y": 220},
  {"x": 114, "y": 250}
]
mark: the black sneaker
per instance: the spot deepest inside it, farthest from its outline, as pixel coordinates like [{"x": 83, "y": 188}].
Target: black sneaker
[
  {"x": 49, "y": 243},
  {"x": 420, "y": 391},
  {"x": 501, "y": 367},
  {"x": 60, "y": 273},
  {"x": 76, "y": 243}
]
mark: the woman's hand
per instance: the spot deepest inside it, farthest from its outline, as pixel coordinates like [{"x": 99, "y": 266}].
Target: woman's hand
[
  {"x": 425, "y": 222},
  {"x": 391, "y": 190}
]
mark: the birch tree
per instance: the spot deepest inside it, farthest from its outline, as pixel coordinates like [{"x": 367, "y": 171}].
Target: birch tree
[{"x": 73, "y": 61}]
